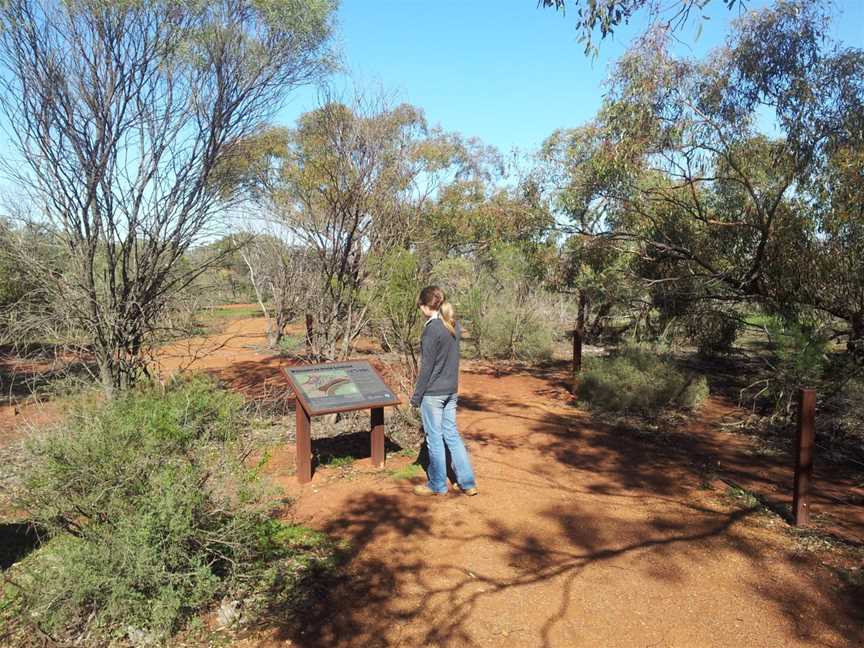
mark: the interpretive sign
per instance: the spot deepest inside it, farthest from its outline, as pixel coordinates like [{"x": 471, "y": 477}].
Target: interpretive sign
[{"x": 338, "y": 387}]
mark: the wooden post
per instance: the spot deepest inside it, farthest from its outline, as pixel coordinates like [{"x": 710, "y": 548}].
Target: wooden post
[
  {"x": 804, "y": 439},
  {"x": 577, "y": 360},
  {"x": 378, "y": 437},
  {"x": 304, "y": 444},
  {"x": 578, "y": 336}
]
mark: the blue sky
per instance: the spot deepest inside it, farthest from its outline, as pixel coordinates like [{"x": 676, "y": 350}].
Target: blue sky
[{"x": 504, "y": 71}]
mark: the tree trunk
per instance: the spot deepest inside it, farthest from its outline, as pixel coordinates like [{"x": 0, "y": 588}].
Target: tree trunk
[
  {"x": 274, "y": 334},
  {"x": 602, "y": 312},
  {"x": 578, "y": 337},
  {"x": 855, "y": 345},
  {"x": 310, "y": 333}
]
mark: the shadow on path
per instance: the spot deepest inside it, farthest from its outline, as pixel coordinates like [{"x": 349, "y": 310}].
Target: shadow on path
[{"x": 568, "y": 510}]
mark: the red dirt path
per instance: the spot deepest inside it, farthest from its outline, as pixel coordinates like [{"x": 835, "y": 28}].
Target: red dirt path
[{"x": 582, "y": 535}]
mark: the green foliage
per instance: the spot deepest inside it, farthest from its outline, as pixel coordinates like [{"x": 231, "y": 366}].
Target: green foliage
[
  {"x": 19, "y": 288},
  {"x": 504, "y": 311},
  {"x": 393, "y": 300},
  {"x": 712, "y": 331},
  {"x": 695, "y": 392},
  {"x": 509, "y": 330},
  {"x": 218, "y": 314},
  {"x": 676, "y": 169},
  {"x": 12, "y": 284},
  {"x": 292, "y": 344},
  {"x": 227, "y": 279},
  {"x": 841, "y": 421},
  {"x": 640, "y": 381},
  {"x": 407, "y": 472},
  {"x": 800, "y": 359},
  {"x": 800, "y": 350},
  {"x": 333, "y": 461},
  {"x": 130, "y": 237},
  {"x": 606, "y": 17},
  {"x": 150, "y": 511},
  {"x": 471, "y": 215}
]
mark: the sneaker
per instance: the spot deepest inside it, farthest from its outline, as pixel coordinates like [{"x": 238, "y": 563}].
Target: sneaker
[
  {"x": 470, "y": 492},
  {"x": 423, "y": 490}
]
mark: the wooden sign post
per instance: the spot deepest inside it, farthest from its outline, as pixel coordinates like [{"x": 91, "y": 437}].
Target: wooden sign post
[
  {"x": 333, "y": 387},
  {"x": 804, "y": 440}
]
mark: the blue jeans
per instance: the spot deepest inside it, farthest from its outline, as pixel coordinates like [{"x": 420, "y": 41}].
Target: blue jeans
[{"x": 439, "y": 423}]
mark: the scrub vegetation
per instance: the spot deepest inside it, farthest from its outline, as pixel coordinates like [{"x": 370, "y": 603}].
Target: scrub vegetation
[{"x": 671, "y": 236}]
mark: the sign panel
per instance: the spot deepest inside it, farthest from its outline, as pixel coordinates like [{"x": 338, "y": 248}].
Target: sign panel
[{"x": 339, "y": 386}]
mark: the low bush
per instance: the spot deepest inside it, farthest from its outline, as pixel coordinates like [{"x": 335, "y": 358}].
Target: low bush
[
  {"x": 151, "y": 514},
  {"x": 511, "y": 328},
  {"x": 800, "y": 359},
  {"x": 713, "y": 332},
  {"x": 505, "y": 314},
  {"x": 636, "y": 380}
]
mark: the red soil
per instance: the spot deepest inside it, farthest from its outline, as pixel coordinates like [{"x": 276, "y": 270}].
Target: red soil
[{"x": 582, "y": 535}]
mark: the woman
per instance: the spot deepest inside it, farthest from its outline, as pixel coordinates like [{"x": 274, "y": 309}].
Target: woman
[{"x": 436, "y": 395}]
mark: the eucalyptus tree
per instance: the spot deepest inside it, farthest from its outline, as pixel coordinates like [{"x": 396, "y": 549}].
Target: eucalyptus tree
[
  {"x": 720, "y": 171},
  {"x": 574, "y": 169},
  {"x": 118, "y": 113},
  {"x": 478, "y": 208},
  {"x": 283, "y": 277},
  {"x": 606, "y": 16},
  {"x": 351, "y": 187}
]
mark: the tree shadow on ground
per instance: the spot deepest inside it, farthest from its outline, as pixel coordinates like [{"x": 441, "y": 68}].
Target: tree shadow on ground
[
  {"x": 17, "y": 539},
  {"x": 22, "y": 377},
  {"x": 407, "y": 599},
  {"x": 393, "y": 592},
  {"x": 422, "y": 460},
  {"x": 642, "y": 453},
  {"x": 354, "y": 445},
  {"x": 261, "y": 379}
]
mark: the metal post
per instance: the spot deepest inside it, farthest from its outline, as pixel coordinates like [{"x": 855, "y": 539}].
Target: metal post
[
  {"x": 378, "y": 437},
  {"x": 304, "y": 444},
  {"x": 804, "y": 439}
]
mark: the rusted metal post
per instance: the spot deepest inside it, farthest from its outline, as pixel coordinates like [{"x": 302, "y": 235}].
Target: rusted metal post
[
  {"x": 378, "y": 437},
  {"x": 804, "y": 440},
  {"x": 304, "y": 444}
]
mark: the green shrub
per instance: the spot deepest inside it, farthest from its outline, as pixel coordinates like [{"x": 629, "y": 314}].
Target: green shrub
[
  {"x": 151, "y": 514},
  {"x": 712, "y": 331},
  {"x": 511, "y": 329},
  {"x": 291, "y": 344},
  {"x": 695, "y": 392},
  {"x": 639, "y": 381},
  {"x": 800, "y": 359}
]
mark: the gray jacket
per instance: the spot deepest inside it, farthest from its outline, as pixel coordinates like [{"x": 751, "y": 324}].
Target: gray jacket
[{"x": 439, "y": 361}]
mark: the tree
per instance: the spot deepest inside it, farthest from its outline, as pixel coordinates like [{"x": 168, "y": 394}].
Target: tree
[
  {"x": 283, "y": 276},
  {"x": 608, "y": 15},
  {"x": 14, "y": 286},
  {"x": 120, "y": 112},
  {"x": 573, "y": 170},
  {"x": 718, "y": 211},
  {"x": 351, "y": 188}
]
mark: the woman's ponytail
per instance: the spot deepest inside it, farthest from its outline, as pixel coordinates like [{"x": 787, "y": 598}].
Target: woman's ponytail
[
  {"x": 433, "y": 297},
  {"x": 448, "y": 317}
]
